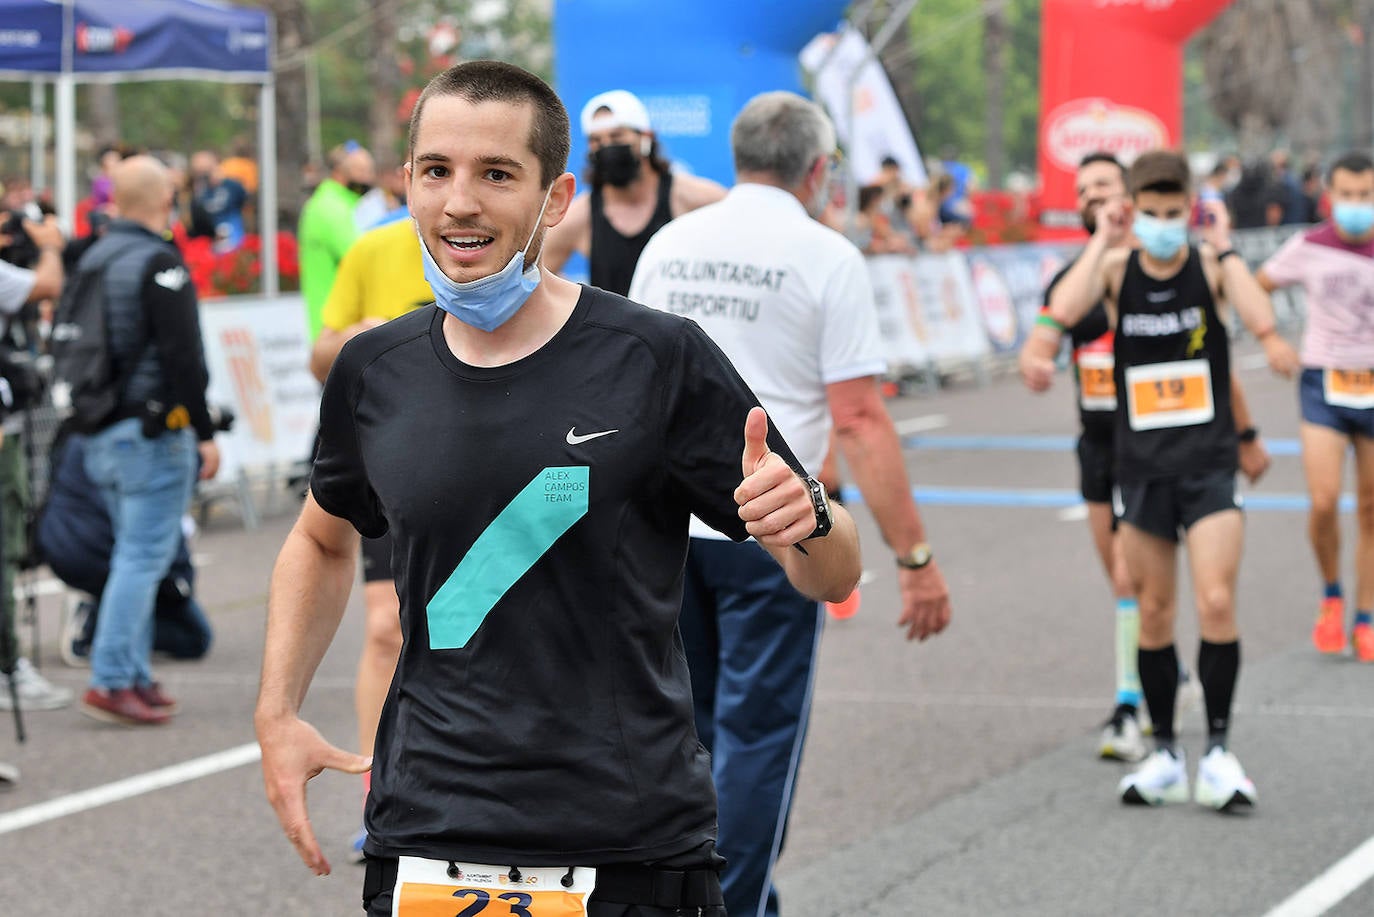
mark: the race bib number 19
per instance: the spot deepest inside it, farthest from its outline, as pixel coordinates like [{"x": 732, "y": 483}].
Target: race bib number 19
[
  {"x": 425, "y": 888},
  {"x": 1177, "y": 394},
  {"x": 1349, "y": 388}
]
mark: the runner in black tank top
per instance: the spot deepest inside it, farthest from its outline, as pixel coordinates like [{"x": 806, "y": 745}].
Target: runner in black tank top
[
  {"x": 614, "y": 256},
  {"x": 1173, "y": 371},
  {"x": 1176, "y": 450}
]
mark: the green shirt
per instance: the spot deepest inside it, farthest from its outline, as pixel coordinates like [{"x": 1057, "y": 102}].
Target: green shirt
[{"x": 326, "y": 232}]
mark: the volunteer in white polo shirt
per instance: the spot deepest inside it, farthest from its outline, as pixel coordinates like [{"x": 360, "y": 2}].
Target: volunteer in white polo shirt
[
  {"x": 789, "y": 302},
  {"x": 634, "y": 192}
]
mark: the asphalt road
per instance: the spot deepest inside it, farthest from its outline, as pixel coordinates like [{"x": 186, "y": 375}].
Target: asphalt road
[{"x": 951, "y": 777}]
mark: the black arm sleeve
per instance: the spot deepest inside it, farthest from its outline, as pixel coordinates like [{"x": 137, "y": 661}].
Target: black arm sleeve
[{"x": 169, "y": 300}]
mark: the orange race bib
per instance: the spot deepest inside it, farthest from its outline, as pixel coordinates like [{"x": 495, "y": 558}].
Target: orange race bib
[
  {"x": 433, "y": 888},
  {"x": 1177, "y": 394},
  {"x": 1349, "y": 388},
  {"x": 1096, "y": 382}
]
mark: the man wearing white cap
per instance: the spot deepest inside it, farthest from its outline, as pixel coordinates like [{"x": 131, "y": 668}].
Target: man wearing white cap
[{"x": 633, "y": 193}]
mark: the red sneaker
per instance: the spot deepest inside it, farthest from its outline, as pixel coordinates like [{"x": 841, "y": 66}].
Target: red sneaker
[
  {"x": 153, "y": 695},
  {"x": 1363, "y": 641},
  {"x": 1328, "y": 635},
  {"x": 122, "y": 706}
]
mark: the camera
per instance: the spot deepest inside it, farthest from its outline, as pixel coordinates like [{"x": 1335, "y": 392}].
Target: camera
[{"x": 19, "y": 250}]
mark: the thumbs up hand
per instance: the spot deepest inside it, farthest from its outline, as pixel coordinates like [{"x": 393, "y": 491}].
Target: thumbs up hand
[{"x": 773, "y": 501}]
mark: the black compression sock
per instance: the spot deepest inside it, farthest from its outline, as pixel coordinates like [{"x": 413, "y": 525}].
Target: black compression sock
[
  {"x": 1218, "y": 665},
  {"x": 1159, "y": 683}
]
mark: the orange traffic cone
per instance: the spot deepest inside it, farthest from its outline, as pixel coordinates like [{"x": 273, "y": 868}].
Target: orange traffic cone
[{"x": 846, "y": 609}]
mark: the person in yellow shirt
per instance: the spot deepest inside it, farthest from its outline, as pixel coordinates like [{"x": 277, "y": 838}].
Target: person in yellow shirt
[{"x": 380, "y": 277}]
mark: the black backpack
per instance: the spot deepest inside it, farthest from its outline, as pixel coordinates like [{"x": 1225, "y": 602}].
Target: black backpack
[{"x": 85, "y": 388}]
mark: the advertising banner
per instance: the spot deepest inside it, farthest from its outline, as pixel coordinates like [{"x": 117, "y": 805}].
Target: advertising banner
[
  {"x": 927, "y": 311},
  {"x": 1009, "y": 282},
  {"x": 258, "y": 351}
]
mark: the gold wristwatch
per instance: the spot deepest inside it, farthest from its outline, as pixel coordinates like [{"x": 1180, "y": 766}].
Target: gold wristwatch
[{"x": 917, "y": 558}]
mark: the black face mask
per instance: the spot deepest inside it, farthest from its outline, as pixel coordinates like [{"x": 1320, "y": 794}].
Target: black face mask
[
  {"x": 615, "y": 165},
  {"x": 359, "y": 187}
]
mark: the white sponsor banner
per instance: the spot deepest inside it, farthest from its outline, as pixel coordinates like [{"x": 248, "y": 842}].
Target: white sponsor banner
[
  {"x": 258, "y": 351},
  {"x": 927, "y": 310},
  {"x": 849, "y": 78}
]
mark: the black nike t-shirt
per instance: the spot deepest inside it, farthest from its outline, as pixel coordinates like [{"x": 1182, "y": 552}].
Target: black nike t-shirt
[{"x": 541, "y": 712}]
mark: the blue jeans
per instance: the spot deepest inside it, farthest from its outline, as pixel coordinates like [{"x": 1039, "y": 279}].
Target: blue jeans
[
  {"x": 751, "y": 641},
  {"x": 146, "y": 484}
]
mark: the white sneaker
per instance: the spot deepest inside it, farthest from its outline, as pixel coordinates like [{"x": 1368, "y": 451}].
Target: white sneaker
[
  {"x": 1122, "y": 740},
  {"x": 1221, "y": 782},
  {"x": 1161, "y": 780},
  {"x": 35, "y": 692}
]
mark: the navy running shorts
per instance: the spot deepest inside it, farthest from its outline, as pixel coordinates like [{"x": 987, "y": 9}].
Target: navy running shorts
[{"x": 1350, "y": 421}]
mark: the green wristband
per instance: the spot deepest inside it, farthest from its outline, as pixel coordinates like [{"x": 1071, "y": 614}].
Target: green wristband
[{"x": 1047, "y": 321}]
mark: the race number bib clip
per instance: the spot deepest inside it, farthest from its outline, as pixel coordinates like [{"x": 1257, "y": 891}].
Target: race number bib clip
[
  {"x": 1163, "y": 395},
  {"x": 435, "y": 888},
  {"x": 1349, "y": 388}
]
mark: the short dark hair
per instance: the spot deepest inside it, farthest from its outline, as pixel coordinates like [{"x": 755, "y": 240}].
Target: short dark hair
[
  {"x": 1165, "y": 171},
  {"x": 496, "y": 81},
  {"x": 1103, "y": 156},
  {"x": 1353, "y": 161}
]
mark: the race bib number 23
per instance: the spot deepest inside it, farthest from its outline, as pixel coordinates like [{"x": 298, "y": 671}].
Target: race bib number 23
[
  {"x": 1176, "y": 394},
  {"x": 1349, "y": 388},
  {"x": 433, "y": 888}
]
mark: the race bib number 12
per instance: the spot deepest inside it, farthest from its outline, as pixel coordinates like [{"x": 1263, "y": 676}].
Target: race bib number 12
[
  {"x": 1096, "y": 382},
  {"x": 430, "y": 888},
  {"x": 1177, "y": 394},
  {"x": 1349, "y": 388}
]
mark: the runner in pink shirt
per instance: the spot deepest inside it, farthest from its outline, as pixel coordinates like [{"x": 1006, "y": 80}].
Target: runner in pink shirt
[{"x": 1334, "y": 262}]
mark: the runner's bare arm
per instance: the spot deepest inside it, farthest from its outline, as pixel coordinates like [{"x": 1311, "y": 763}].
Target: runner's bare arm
[
  {"x": 865, "y": 433},
  {"x": 691, "y": 192},
  {"x": 1254, "y": 457},
  {"x": 1085, "y": 284},
  {"x": 1036, "y": 360},
  {"x": 776, "y": 507},
  {"x": 572, "y": 234},
  {"x": 1233, "y": 283},
  {"x": 310, "y": 585}
]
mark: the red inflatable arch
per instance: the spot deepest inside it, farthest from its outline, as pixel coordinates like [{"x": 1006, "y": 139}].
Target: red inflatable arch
[{"x": 1111, "y": 77}]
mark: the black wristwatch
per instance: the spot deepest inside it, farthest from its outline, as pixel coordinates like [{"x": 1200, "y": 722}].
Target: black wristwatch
[
  {"x": 1248, "y": 435},
  {"x": 820, "y": 502}
]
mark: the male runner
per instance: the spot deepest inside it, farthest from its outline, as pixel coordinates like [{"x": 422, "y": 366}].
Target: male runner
[
  {"x": 1334, "y": 262},
  {"x": 1101, "y": 178},
  {"x": 535, "y": 449},
  {"x": 1176, "y": 454},
  {"x": 634, "y": 193}
]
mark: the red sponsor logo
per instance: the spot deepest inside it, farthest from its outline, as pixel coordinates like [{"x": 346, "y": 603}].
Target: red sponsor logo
[
  {"x": 97, "y": 39},
  {"x": 1083, "y": 126}
]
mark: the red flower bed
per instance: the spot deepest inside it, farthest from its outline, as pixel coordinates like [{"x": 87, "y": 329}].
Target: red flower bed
[{"x": 239, "y": 271}]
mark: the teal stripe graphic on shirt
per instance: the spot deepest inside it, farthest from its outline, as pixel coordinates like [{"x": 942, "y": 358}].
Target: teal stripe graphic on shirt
[{"x": 516, "y": 539}]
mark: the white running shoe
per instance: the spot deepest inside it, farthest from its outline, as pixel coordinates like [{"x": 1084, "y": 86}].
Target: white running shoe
[
  {"x": 1221, "y": 782},
  {"x": 35, "y": 692},
  {"x": 1122, "y": 740},
  {"x": 1161, "y": 780}
]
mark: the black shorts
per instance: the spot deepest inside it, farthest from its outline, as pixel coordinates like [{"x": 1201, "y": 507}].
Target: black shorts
[
  {"x": 1096, "y": 467},
  {"x": 621, "y": 891},
  {"x": 1165, "y": 506},
  {"x": 377, "y": 559}
]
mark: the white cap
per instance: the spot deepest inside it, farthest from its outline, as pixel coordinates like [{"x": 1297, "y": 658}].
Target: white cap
[{"x": 623, "y": 110}]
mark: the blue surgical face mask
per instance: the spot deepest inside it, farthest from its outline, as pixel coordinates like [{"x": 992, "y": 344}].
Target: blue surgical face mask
[
  {"x": 1161, "y": 238},
  {"x": 1353, "y": 219},
  {"x": 488, "y": 302}
]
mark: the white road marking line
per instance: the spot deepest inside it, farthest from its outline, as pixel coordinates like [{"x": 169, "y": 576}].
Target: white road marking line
[
  {"x": 923, "y": 424},
  {"x": 137, "y": 785},
  {"x": 1331, "y": 887},
  {"x": 1074, "y": 513},
  {"x": 1021, "y": 702}
]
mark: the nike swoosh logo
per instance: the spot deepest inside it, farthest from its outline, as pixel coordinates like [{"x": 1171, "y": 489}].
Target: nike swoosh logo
[{"x": 575, "y": 440}]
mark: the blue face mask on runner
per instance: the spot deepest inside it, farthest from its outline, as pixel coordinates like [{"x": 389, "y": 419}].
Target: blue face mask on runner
[
  {"x": 1161, "y": 238},
  {"x": 1353, "y": 219},
  {"x": 488, "y": 302}
]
